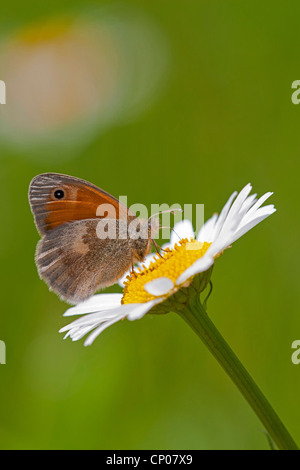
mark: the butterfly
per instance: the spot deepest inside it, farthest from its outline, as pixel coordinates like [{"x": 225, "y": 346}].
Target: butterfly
[{"x": 75, "y": 257}]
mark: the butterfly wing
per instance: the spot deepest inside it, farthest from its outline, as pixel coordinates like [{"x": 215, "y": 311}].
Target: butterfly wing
[
  {"x": 72, "y": 260},
  {"x": 56, "y": 199},
  {"x": 75, "y": 263}
]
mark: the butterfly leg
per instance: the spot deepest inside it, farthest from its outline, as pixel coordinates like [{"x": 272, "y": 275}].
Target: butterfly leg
[
  {"x": 157, "y": 248},
  {"x": 132, "y": 272}
]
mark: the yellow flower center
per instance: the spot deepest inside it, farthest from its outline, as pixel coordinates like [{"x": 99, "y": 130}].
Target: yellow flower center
[
  {"x": 172, "y": 264},
  {"x": 45, "y": 31}
]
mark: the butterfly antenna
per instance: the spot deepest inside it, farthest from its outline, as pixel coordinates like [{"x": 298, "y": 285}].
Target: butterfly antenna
[
  {"x": 171, "y": 211},
  {"x": 173, "y": 230}
]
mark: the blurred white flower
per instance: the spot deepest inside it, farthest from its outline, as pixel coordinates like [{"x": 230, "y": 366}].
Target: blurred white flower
[{"x": 70, "y": 78}]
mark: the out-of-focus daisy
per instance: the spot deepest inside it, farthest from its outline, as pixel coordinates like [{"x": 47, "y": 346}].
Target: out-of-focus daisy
[
  {"x": 72, "y": 76},
  {"x": 165, "y": 283}
]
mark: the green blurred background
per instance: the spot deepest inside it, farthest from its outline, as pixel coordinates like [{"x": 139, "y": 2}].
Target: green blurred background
[{"x": 218, "y": 116}]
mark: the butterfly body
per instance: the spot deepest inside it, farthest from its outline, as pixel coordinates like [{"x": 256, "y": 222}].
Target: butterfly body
[{"x": 75, "y": 257}]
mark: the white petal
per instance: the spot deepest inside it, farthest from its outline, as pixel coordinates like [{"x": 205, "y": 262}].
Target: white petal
[
  {"x": 232, "y": 220},
  {"x": 96, "y": 318},
  {"x": 245, "y": 228},
  {"x": 91, "y": 338},
  {"x": 122, "y": 280},
  {"x": 141, "y": 309},
  {"x": 159, "y": 286},
  {"x": 243, "y": 215},
  {"x": 258, "y": 203},
  {"x": 222, "y": 216},
  {"x": 99, "y": 321},
  {"x": 240, "y": 199},
  {"x": 249, "y": 202},
  {"x": 201, "y": 265},
  {"x": 77, "y": 333},
  {"x": 94, "y": 304},
  {"x": 265, "y": 210},
  {"x": 206, "y": 233},
  {"x": 183, "y": 229}
]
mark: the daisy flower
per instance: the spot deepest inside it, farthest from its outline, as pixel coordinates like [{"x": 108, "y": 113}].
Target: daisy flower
[
  {"x": 173, "y": 282},
  {"x": 164, "y": 283}
]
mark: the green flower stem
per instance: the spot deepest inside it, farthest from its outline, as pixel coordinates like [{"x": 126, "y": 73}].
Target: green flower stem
[{"x": 195, "y": 315}]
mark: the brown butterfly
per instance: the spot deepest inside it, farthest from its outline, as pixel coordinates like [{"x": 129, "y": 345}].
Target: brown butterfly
[{"x": 71, "y": 257}]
